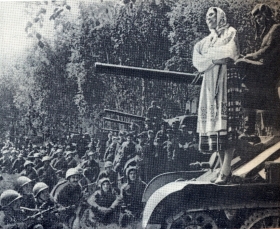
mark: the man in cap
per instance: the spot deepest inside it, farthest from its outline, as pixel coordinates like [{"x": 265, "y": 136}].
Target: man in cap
[
  {"x": 47, "y": 173},
  {"x": 13, "y": 155},
  {"x": 111, "y": 150},
  {"x": 128, "y": 151},
  {"x": 18, "y": 164},
  {"x": 110, "y": 173},
  {"x": 60, "y": 162},
  {"x": 154, "y": 112},
  {"x": 71, "y": 158},
  {"x": 187, "y": 151},
  {"x": 110, "y": 139},
  {"x": 5, "y": 162},
  {"x": 29, "y": 171},
  {"x": 148, "y": 124},
  {"x": 171, "y": 148},
  {"x": 92, "y": 165},
  {"x": 160, "y": 138},
  {"x": 149, "y": 157},
  {"x": 37, "y": 161}
]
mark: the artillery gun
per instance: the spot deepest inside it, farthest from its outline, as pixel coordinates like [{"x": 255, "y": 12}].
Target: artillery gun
[{"x": 188, "y": 199}]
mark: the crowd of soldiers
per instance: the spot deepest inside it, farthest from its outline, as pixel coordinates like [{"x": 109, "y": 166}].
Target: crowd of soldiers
[{"x": 79, "y": 186}]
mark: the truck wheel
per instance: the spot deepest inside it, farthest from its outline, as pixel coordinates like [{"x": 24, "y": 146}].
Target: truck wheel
[
  {"x": 269, "y": 218},
  {"x": 191, "y": 221}
]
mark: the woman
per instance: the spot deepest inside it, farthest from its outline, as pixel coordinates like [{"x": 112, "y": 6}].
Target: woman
[
  {"x": 261, "y": 68},
  {"x": 210, "y": 57},
  {"x": 131, "y": 193},
  {"x": 104, "y": 202}
]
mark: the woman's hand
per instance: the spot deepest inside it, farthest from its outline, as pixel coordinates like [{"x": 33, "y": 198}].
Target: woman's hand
[
  {"x": 249, "y": 56},
  {"x": 222, "y": 61}
]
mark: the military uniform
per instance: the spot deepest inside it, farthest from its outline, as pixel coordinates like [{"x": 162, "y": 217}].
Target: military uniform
[
  {"x": 47, "y": 174},
  {"x": 100, "y": 201},
  {"x": 18, "y": 164}
]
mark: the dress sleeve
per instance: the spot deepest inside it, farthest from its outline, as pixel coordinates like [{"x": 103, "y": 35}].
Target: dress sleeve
[
  {"x": 269, "y": 45},
  {"x": 200, "y": 61},
  {"x": 229, "y": 49}
]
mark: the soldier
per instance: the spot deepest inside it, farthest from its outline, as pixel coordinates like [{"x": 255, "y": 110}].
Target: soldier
[
  {"x": 18, "y": 164},
  {"x": 92, "y": 165},
  {"x": 47, "y": 173},
  {"x": 128, "y": 151},
  {"x": 110, "y": 139},
  {"x": 131, "y": 193},
  {"x": 14, "y": 217},
  {"x": 71, "y": 160},
  {"x": 111, "y": 150},
  {"x": 29, "y": 171},
  {"x": 121, "y": 140},
  {"x": 69, "y": 194},
  {"x": 187, "y": 152},
  {"x": 104, "y": 202},
  {"x": 108, "y": 172},
  {"x": 154, "y": 112},
  {"x": 148, "y": 125},
  {"x": 37, "y": 161},
  {"x": 160, "y": 138},
  {"x": 60, "y": 162},
  {"x": 44, "y": 203},
  {"x": 24, "y": 187},
  {"x": 42, "y": 196},
  {"x": 13, "y": 155},
  {"x": 149, "y": 155},
  {"x": 5, "y": 162},
  {"x": 170, "y": 148}
]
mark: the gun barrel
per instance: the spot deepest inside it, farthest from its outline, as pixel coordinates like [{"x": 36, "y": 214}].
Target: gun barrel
[
  {"x": 144, "y": 73},
  {"x": 124, "y": 114},
  {"x": 117, "y": 121}
]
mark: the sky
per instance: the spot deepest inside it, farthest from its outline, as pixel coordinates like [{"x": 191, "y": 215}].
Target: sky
[
  {"x": 12, "y": 35},
  {"x": 13, "y": 20}
]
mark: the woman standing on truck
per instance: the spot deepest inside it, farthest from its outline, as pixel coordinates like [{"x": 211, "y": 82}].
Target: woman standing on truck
[
  {"x": 261, "y": 68},
  {"x": 210, "y": 57}
]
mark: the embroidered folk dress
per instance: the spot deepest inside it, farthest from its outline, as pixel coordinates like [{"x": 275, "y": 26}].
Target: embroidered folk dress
[{"x": 212, "y": 111}]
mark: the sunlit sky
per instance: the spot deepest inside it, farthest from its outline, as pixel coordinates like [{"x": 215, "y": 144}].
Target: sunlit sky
[
  {"x": 12, "y": 35},
  {"x": 13, "y": 20}
]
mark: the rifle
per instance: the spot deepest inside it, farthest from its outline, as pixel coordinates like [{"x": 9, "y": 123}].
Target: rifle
[{"x": 51, "y": 209}]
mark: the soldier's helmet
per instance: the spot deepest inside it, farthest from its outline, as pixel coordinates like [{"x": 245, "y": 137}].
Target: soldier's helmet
[
  {"x": 72, "y": 171},
  {"x": 26, "y": 163},
  {"x": 8, "y": 197},
  {"x": 108, "y": 164},
  {"x": 101, "y": 181},
  {"x": 22, "y": 180},
  {"x": 46, "y": 158},
  {"x": 37, "y": 155},
  {"x": 39, "y": 187},
  {"x": 129, "y": 169},
  {"x": 91, "y": 153}
]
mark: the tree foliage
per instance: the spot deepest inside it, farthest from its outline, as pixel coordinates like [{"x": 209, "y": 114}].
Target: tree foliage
[{"x": 53, "y": 88}]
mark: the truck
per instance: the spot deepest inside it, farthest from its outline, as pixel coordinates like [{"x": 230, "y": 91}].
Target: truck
[{"x": 189, "y": 199}]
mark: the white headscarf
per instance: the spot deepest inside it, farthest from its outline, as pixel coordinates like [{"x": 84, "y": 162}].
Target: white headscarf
[{"x": 221, "y": 23}]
